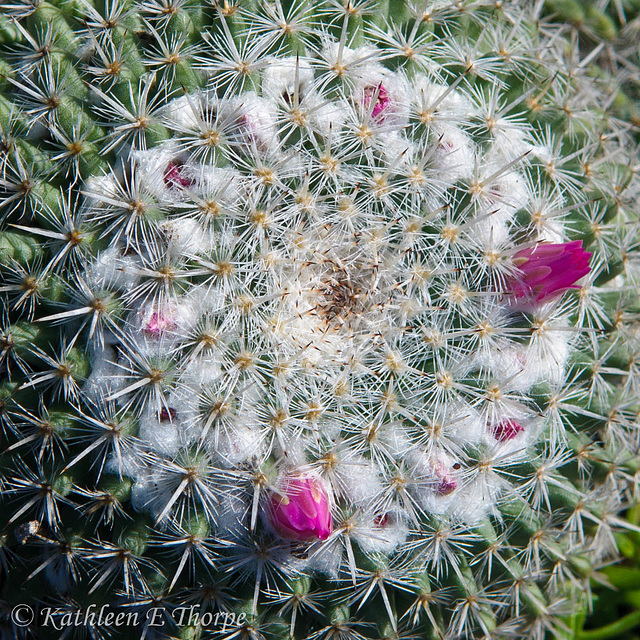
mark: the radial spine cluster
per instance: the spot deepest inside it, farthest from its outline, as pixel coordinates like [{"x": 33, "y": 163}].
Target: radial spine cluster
[{"x": 326, "y": 310}]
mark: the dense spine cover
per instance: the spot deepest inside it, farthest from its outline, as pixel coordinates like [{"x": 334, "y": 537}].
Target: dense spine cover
[{"x": 326, "y": 315}]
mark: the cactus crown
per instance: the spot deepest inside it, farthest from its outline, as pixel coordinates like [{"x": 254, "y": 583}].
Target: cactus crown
[{"x": 321, "y": 310}]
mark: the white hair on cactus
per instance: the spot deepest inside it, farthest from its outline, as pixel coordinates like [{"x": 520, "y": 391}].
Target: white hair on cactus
[
  {"x": 255, "y": 122},
  {"x": 454, "y": 155},
  {"x": 160, "y": 430},
  {"x": 287, "y": 77},
  {"x": 182, "y": 113},
  {"x": 111, "y": 268},
  {"x": 162, "y": 171},
  {"x": 104, "y": 379},
  {"x": 384, "y": 533},
  {"x": 185, "y": 237},
  {"x": 440, "y": 105}
]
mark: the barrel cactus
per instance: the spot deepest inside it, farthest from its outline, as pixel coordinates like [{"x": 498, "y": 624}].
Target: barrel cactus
[{"x": 319, "y": 320}]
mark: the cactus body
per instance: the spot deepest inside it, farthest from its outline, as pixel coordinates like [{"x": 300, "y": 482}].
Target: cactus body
[{"x": 319, "y": 321}]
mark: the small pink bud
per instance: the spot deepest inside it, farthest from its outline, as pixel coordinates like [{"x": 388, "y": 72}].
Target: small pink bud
[
  {"x": 446, "y": 146},
  {"x": 381, "y": 96},
  {"x": 167, "y": 415},
  {"x": 158, "y": 324},
  {"x": 506, "y": 430},
  {"x": 547, "y": 270},
  {"x": 301, "y": 511},
  {"x": 174, "y": 176},
  {"x": 445, "y": 481},
  {"x": 381, "y": 520}
]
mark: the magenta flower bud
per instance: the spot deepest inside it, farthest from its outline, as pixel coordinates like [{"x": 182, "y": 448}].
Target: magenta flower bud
[
  {"x": 301, "y": 511},
  {"x": 381, "y": 520},
  {"x": 158, "y": 324},
  {"x": 547, "y": 270},
  {"x": 446, "y": 483},
  {"x": 167, "y": 415},
  {"x": 175, "y": 178},
  {"x": 381, "y": 96},
  {"x": 506, "y": 430}
]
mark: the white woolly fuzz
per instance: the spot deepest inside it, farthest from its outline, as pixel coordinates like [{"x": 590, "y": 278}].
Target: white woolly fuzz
[
  {"x": 476, "y": 499},
  {"x": 326, "y": 559},
  {"x": 185, "y": 237},
  {"x": 98, "y": 187},
  {"x": 145, "y": 494},
  {"x": 286, "y": 77},
  {"x": 360, "y": 480},
  {"x": 237, "y": 444},
  {"x": 182, "y": 113},
  {"x": 383, "y": 533},
  {"x": 351, "y": 64},
  {"x": 154, "y": 165},
  {"x": 454, "y": 155},
  {"x": 160, "y": 429},
  {"x": 463, "y": 424},
  {"x": 328, "y": 118},
  {"x": 221, "y": 186},
  {"x": 438, "y": 478},
  {"x": 255, "y": 122},
  {"x": 548, "y": 352},
  {"x": 105, "y": 378},
  {"x": 112, "y": 269},
  {"x": 438, "y": 104}
]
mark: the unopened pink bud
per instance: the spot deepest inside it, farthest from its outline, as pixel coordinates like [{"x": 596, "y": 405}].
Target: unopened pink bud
[
  {"x": 381, "y": 96},
  {"x": 506, "y": 430},
  {"x": 446, "y": 483},
  {"x": 381, "y": 520},
  {"x": 547, "y": 270},
  {"x": 174, "y": 177},
  {"x": 167, "y": 414},
  {"x": 158, "y": 324},
  {"x": 301, "y": 511}
]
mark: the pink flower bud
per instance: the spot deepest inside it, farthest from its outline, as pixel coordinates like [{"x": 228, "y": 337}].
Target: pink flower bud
[
  {"x": 167, "y": 415},
  {"x": 381, "y": 520},
  {"x": 547, "y": 270},
  {"x": 446, "y": 483},
  {"x": 301, "y": 511},
  {"x": 157, "y": 324},
  {"x": 174, "y": 177},
  {"x": 381, "y": 99},
  {"x": 506, "y": 430}
]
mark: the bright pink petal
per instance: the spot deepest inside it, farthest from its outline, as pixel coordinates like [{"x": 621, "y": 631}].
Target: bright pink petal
[{"x": 547, "y": 270}]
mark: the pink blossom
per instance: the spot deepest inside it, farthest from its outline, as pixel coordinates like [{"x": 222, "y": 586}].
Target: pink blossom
[
  {"x": 381, "y": 96},
  {"x": 506, "y": 430},
  {"x": 301, "y": 511},
  {"x": 547, "y": 270}
]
